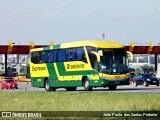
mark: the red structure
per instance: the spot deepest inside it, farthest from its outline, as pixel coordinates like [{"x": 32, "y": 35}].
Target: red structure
[
  {"x": 144, "y": 49},
  {"x": 11, "y": 48},
  {"x": 17, "y": 49},
  {"x": 24, "y": 49},
  {"x": 150, "y": 49}
]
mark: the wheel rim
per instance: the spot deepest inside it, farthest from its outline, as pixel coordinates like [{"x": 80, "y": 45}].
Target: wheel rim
[
  {"x": 86, "y": 84},
  {"x": 47, "y": 85}
]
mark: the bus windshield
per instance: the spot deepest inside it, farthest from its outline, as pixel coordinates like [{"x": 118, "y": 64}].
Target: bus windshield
[{"x": 113, "y": 61}]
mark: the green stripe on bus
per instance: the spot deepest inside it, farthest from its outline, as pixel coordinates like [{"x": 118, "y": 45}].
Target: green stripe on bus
[
  {"x": 54, "y": 47},
  {"x": 63, "y": 72},
  {"x": 52, "y": 73}
]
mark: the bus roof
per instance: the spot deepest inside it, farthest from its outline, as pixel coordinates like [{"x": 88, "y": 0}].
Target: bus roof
[{"x": 94, "y": 43}]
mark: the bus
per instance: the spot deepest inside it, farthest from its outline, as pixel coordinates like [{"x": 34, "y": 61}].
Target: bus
[{"x": 88, "y": 64}]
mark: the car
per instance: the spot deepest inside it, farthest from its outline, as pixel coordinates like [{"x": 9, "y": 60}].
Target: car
[
  {"x": 9, "y": 83},
  {"x": 145, "y": 79}
]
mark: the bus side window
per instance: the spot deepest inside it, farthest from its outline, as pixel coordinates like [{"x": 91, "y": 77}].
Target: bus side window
[
  {"x": 40, "y": 57},
  {"x": 52, "y": 56},
  {"x": 35, "y": 57},
  {"x": 68, "y": 51},
  {"x": 92, "y": 57},
  {"x": 61, "y": 55},
  {"x": 79, "y": 52},
  {"x": 70, "y": 54},
  {"x": 73, "y": 55},
  {"x": 44, "y": 56}
]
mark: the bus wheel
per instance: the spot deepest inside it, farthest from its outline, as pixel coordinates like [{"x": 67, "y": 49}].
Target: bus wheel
[
  {"x": 86, "y": 85},
  {"x": 53, "y": 89},
  {"x": 112, "y": 87},
  {"x": 71, "y": 88},
  {"x": 47, "y": 86}
]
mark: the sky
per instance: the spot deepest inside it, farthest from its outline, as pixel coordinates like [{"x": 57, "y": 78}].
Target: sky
[{"x": 43, "y": 21}]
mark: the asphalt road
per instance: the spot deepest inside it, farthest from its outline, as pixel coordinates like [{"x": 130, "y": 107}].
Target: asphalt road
[{"x": 23, "y": 87}]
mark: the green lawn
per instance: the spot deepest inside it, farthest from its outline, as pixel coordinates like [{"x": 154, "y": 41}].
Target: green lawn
[{"x": 78, "y": 101}]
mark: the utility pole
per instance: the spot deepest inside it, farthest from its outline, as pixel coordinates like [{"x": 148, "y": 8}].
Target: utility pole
[{"x": 103, "y": 35}]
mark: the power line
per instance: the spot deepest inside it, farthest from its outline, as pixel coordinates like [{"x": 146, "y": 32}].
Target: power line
[{"x": 42, "y": 11}]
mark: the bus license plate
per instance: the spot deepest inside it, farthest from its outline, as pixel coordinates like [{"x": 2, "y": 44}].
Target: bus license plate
[{"x": 117, "y": 83}]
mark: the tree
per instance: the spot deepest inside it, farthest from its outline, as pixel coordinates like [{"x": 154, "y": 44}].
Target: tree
[
  {"x": 147, "y": 67},
  {"x": 137, "y": 70}
]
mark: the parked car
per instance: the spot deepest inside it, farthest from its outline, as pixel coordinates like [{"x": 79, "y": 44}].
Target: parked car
[
  {"x": 145, "y": 79},
  {"x": 9, "y": 83}
]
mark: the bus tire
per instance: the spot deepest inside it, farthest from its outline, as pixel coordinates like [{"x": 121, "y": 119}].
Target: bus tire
[
  {"x": 53, "y": 89},
  {"x": 47, "y": 86},
  {"x": 71, "y": 88},
  {"x": 86, "y": 85},
  {"x": 112, "y": 87}
]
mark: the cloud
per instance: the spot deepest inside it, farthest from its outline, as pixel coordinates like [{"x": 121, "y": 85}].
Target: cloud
[
  {"x": 111, "y": 15},
  {"x": 86, "y": 14}
]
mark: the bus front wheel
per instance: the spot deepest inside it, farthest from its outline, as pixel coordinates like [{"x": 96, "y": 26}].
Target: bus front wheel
[
  {"x": 48, "y": 88},
  {"x": 86, "y": 85}
]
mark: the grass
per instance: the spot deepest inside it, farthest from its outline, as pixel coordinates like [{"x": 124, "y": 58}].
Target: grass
[{"x": 78, "y": 101}]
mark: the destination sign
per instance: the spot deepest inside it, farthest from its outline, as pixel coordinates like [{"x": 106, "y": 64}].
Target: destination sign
[
  {"x": 75, "y": 66},
  {"x": 38, "y": 68}
]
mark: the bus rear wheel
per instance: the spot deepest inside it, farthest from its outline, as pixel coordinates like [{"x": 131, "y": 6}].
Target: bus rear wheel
[
  {"x": 71, "y": 88},
  {"x": 86, "y": 85},
  {"x": 112, "y": 87},
  {"x": 48, "y": 88}
]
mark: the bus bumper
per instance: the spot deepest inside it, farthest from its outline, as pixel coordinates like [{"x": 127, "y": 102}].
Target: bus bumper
[{"x": 113, "y": 82}]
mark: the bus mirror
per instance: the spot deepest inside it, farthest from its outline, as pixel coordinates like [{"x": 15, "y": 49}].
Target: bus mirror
[
  {"x": 131, "y": 54},
  {"x": 97, "y": 55}
]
